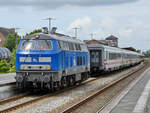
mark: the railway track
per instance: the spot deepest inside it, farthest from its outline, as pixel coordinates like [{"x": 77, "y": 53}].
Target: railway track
[
  {"x": 30, "y": 99},
  {"x": 7, "y": 84},
  {"x": 98, "y": 99}
]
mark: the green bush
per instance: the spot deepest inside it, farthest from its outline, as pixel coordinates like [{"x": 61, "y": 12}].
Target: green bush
[{"x": 4, "y": 66}]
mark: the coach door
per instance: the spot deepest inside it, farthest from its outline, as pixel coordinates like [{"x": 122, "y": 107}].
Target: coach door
[{"x": 96, "y": 57}]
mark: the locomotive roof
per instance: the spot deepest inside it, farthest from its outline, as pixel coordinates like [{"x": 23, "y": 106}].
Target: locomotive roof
[
  {"x": 113, "y": 49},
  {"x": 56, "y": 37}
]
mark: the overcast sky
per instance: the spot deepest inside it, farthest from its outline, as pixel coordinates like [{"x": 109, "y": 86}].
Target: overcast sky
[{"x": 129, "y": 20}]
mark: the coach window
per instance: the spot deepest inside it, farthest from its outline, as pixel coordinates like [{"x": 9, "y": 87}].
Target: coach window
[
  {"x": 107, "y": 55},
  {"x": 110, "y": 56}
]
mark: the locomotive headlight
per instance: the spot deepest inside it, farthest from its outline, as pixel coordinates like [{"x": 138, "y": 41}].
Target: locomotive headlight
[
  {"x": 22, "y": 67},
  {"x": 48, "y": 67},
  {"x": 35, "y": 67}
]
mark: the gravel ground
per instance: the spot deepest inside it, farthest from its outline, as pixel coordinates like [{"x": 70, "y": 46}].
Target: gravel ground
[
  {"x": 7, "y": 78},
  {"x": 58, "y": 100}
]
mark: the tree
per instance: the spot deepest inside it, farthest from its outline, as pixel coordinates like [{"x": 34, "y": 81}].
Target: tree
[
  {"x": 34, "y": 31},
  {"x": 147, "y": 53},
  {"x": 12, "y": 41},
  {"x": 138, "y": 51},
  {"x": 4, "y": 66}
]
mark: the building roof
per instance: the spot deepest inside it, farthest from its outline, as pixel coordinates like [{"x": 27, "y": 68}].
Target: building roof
[
  {"x": 6, "y": 31},
  {"x": 130, "y": 48},
  {"x": 111, "y": 37},
  {"x": 95, "y": 41}
]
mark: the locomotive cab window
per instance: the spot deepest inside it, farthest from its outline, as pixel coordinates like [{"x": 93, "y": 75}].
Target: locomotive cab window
[
  {"x": 28, "y": 45},
  {"x": 44, "y": 45}
]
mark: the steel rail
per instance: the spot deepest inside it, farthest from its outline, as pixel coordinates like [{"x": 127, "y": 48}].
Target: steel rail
[
  {"x": 16, "y": 107},
  {"x": 6, "y": 84},
  {"x": 85, "y": 100},
  {"x": 14, "y": 98}
]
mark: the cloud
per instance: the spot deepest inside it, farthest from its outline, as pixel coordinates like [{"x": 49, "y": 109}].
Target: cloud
[
  {"x": 49, "y": 4},
  {"x": 82, "y": 23}
]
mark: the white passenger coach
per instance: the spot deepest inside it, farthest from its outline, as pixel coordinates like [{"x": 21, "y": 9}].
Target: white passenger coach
[{"x": 105, "y": 58}]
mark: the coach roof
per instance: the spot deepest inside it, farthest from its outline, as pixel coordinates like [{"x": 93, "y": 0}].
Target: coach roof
[
  {"x": 54, "y": 36},
  {"x": 114, "y": 49}
]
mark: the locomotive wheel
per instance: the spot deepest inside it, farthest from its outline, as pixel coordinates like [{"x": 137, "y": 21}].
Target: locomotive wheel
[
  {"x": 24, "y": 85},
  {"x": 52, "y": 86},
  {"x": 71, "y": 81},
  {"x": 58, "y": 86},
  {"x": 64, "y": 82}
]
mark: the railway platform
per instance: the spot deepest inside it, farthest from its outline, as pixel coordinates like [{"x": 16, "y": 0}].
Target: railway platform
[
  {"x": 7, "y": 78},
  {"x": 134, "y": 99}
]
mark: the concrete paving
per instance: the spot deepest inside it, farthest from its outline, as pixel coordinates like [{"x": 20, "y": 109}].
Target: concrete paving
[
  {"x": 130, "y": 101},
  {"x": 7, "y": 78}
]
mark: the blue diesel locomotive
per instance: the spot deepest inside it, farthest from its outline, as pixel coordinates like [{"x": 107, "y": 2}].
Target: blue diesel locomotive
[{"x": 51, "y": 61}]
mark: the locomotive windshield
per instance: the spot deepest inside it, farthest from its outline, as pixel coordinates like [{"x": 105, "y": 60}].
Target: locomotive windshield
[
  {"x": 44, "y": 45},
  {"x": 41, "y": 45},
  {"x": 28, "y": 45}
]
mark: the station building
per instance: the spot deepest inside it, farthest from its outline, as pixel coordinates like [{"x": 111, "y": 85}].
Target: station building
[
  {"x": 4, "y": 33},
  {"x": 109, "y": 41}
]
